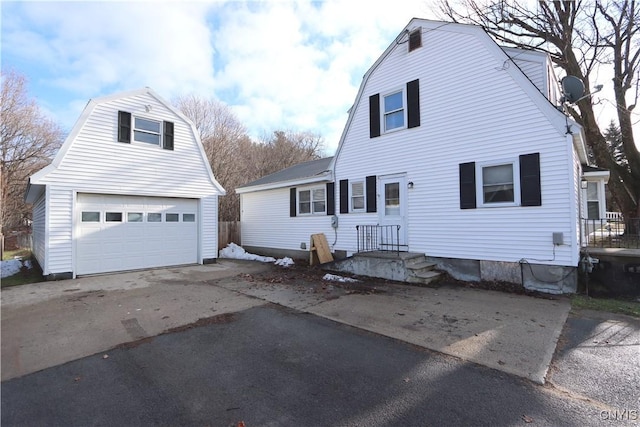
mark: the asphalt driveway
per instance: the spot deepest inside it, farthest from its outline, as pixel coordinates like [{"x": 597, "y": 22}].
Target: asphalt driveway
[{"x": 47, "y": 324}]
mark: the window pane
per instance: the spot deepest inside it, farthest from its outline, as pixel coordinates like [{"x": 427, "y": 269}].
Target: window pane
[
  {"x": 134, "y": 217},
  {"x": 502, "y": 174},
  {"x": 90, "y": 216},
  {"x": 154, "y": 217},
  {"x": 304, "y": 196},
  {"x": 318, "y": 207},
  {"x": 497, "y": 183},
  {"x": 593, "y": 210},
  {"x": 188, "y": 217},
  {"x": 318, "y": 195},
  {"x": 357, "y": 203},
  {"x": 392, "y": 198},
  {"x": 394, "y": 120},
  {"x": 357, "y": 196},
  {"x": 148, "y": 125},
  {"x": 393, "y": 102},
  {"x": 149, "y": 138},
  {"x": 357, "y": 189},
  {"x": 592, "y": 191},
  {"x": 305, "y": 207},
  {"x": 172, "y": 217},
  {"x": 113, "y": 216}
]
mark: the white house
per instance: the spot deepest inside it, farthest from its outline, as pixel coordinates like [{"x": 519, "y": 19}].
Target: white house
[
  {"x": 456, "y": 147},
  {"x": 130, "y": 188}
]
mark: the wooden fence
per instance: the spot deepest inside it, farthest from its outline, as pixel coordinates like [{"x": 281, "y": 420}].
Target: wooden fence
[{"x": 228, "y": 232}]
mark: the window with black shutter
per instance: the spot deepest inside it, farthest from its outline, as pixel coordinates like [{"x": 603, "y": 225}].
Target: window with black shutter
[
  {"x": 468, "y": 185},
  {"x": 371, "y": 182},
  {"x": 167, "y": 137},
  {"x": 331, "y": 201},
  {"x": 344, "y": 196},
  {"x": 374, "y": 116},
  {"x": 293, "y": 205},
  {"x": 124, "y": 127},
  {"x": 530, "y": 189}
]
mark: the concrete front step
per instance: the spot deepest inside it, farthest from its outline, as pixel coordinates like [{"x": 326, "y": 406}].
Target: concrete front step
[
  {"x": 403, "y": 267},
  {"x": 424, "y": 277}
]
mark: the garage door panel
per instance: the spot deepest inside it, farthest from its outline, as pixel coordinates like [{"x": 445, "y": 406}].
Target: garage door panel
[{"x": 135, "y": 242}]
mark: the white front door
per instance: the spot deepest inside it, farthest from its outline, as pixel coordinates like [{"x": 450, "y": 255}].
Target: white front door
[{"x": 392, "y": 210}]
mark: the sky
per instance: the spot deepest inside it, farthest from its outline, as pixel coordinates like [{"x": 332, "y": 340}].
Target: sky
[{"x": 279, "y": 65}]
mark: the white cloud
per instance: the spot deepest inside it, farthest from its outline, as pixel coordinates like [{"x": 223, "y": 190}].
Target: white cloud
[{"x": 89, "y": 49}]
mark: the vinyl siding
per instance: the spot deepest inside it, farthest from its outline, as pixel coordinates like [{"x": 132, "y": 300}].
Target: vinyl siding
[
  {"x": 38, "y": 230},
  {"x": 60, "y": 226},
  {"x": 472, "y": 111},
  {"x": 94, "y": 162},
  {"x": 209, "y": 224},
  {"x": 266, "y": 221}
]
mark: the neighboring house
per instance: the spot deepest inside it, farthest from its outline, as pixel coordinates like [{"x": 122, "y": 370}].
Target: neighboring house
[
  {"x": 130, "y": 188},
  {"x": 460, "y": 143}
]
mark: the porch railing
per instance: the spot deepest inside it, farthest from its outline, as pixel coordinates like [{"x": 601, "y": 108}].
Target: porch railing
[
  {"x": 378, "y": 238},
  {"x": 612, "y": 232}
]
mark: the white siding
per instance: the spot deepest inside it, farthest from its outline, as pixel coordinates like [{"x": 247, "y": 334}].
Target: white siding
[
  {"x": 38, "y": 231},
  {"x": 209, "y": 224},
  {"x": 266, "y": 222},
  {"x": 472, "y": 110},
  {"x": 535, "y": 71},
  {"x": 94, "y": 162},
  {"x": 60, "y": 226}
]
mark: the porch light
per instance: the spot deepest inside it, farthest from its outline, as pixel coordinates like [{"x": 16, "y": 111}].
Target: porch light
[
  {"x": 583, "y": 184},
  {"x": 410, "y": 185}
]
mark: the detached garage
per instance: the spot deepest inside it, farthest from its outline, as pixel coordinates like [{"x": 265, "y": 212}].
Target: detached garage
[{"x": 131, "y": 188}]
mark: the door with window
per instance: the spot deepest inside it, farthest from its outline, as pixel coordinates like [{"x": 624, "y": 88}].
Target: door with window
[{"x": 392, "y": 211}]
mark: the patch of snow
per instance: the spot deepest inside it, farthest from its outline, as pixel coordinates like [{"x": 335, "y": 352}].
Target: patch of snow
[
  {"x": 12, "y": 266},
  {"x": 336, "y": 278},
  {"x": 234, "y": 251},
  {"x": 285, "y": 262}
]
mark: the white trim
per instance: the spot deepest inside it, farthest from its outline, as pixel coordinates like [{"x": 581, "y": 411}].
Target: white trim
[
  {"x": 383, "y": 122},
  {"x": 324, "y": 177},
  {"x": 311, "y": 189},
  {"x": 480, "y": 183},
  {"x": 364, "y": 195}
]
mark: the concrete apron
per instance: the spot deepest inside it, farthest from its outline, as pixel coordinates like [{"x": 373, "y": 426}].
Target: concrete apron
[
  {"x": 51, "y": 323},
  {"x": 47, "y": 324},
  {"x": 513, "y": 333}
]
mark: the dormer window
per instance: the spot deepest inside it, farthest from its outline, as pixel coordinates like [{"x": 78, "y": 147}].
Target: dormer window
[{"x": 415, "y": 39}]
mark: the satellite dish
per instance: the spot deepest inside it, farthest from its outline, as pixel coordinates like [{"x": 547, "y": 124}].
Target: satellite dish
[{"x": 572, "y": 88}]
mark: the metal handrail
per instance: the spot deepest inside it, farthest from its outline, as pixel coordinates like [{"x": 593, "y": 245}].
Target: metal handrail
[{"x": 378, "y": 238}]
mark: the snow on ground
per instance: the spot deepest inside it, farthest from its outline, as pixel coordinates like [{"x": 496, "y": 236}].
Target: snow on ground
[
  {"x": 234, "y": 251},
  {"x": 12, "y": 266},
  {"x": 336, "y": 278}
]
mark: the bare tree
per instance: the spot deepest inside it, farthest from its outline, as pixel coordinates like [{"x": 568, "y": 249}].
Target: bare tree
[
  {"x": 234, "y": 158},
  {"x": 580, "y": 37},
  {"x": 29, "y": 142},
  {"x": 283, "y": 149},
  {"x": 226, "y": 145}
]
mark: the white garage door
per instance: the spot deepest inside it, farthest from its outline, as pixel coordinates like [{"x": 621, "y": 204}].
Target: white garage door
[{"x": 116, "y": 233}]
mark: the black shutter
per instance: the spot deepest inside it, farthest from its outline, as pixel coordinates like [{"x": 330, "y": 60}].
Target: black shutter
[
  {"x": 124, "y": 127},
  {"x": 344, "y": 196},
  {"x": 530, "y": 188},
  {"x": 293, "y": 208},
  {"x": 468, "y": 185},
  {"x": 374, "y": 115},
  {"x": 331, "y": 199},
  {"x": 371, "y": 193},
  {"x": 413, "y": 104},
  {"x": 167, "y": 138}
]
